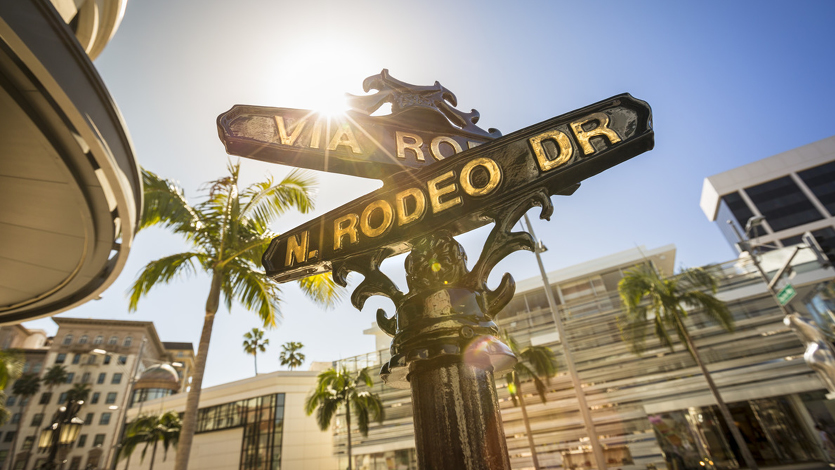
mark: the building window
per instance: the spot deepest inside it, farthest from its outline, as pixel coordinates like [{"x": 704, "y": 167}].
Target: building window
[
  {"x": 783, "y": 204},
  {"x": 37, "y": 368},
  {"x": 27, "y": 443},
  {"x": 45, "y": 397},
  {"x": 117, "y": 378},
  {"x": 88, "y": 420},
  {"x": 15, "y": 418},
  {"x": 123, "y": 360},
  {"x": 75, "y": 463},
  {"x": 98, "y": 440},
  {"x": 3, "y": 455},
  {"x": 85, "y": 378},
  {"x": 11, "y": 401},
  {"x": 99, "y": 339},
  {"x": 10, "y": 435},
  {"x": 93, "y": 461},
  {"x": 82, "y": 439},
  {"x": 821, "y": 181},
  {"x": 83, "y": 339},
  {"x": 76, "y": 359},
  {"x": 95, "y": 398},
  {"x": 101, "y": 378},
  {"x": 60, "y": 358},
  {"x": 107, "y": 359},
  {"x": 104, "y": 419},
  {"x": 67, "y": 340},
  {"x": 128, "y": 342},
  {"x": 70, "y": 377},
  {"x": 26, "y": 367},
  {"x": 62, "y": 398},
  {"x": 110, "y": 399},
  {"x": 37, "y": 419},
  {"x": 91, "y": 359},
  {"x": 113, "y": 341}
]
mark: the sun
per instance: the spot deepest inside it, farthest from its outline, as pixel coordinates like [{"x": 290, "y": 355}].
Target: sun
[{"x": 312, "y": 77}]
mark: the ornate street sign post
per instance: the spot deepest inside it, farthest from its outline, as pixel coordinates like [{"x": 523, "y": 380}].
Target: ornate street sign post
[{"x": 442, "y": 176}]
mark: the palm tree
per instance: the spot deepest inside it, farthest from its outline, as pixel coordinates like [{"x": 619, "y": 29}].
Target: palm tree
[
  {"x": 535, "y": 362},
  {"x": 694, "y": 288},
  {"x": 254, "y": 342},
  {"x": 25, "y": 387},
  {"x": 151, "y": 429},
  {"x": 289, "y": 356},
  {"x": 78, "y": 392},
  {"x": 11, "y": 366},
  {"x": 229, "y": 232},
  {"x": 55, "y": 375},
  {"x": 335, "y": 388}
]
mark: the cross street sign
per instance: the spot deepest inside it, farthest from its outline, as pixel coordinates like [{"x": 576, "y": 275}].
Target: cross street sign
[{"x": 460, "y": 194}]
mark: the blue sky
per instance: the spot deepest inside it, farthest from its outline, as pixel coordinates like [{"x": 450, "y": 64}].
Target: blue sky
[{"x": 729, "y": 83}]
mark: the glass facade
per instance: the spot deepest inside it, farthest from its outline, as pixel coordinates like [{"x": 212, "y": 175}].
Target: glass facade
[
  {"x": 145, "y": 394},
  {"x": 783, "y": 204},
  {"x": 821, "y": 181},
  {"x": 262, "y": 420}
]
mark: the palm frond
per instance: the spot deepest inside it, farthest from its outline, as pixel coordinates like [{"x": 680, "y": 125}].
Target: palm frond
[
  {"x": 165, "y": 204},
  {"x": 322, "y": 289},
  {"x": 254, "y": 291},
  {"x": 11, "y": 366},
  {"x": 267, "y": 201},
  {"x": 161, "y": 271}
]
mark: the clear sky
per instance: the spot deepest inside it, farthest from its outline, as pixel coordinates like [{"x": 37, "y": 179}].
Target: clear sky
[{"x": 729, "y": 83}]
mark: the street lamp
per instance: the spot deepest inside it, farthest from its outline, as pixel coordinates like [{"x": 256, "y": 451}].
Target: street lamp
[
  {"x": 596, "y": 448},
  {"x": 62, "y": 432}
]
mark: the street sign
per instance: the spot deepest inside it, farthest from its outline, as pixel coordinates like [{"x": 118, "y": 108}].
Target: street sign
[
  {"x": 463, "y": 193},
  {"x": 423, "y": 128},
  {"x": 786, "y": 294}
]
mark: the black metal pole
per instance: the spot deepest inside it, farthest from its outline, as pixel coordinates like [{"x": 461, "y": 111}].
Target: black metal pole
[{"x": 446, "y": 350}]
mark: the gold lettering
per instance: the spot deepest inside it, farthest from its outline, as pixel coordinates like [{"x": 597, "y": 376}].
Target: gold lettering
[
  {"x": 282, "y": 130},
  {"x": 297, "y": 248},
  {"x": 493, "y": 171},
  {"x": 436, "y": 146},
  {"x": 414, "y": 146},
  {"x": 435, "y": 192},
  {"x": 403, "y": 215},
  {"x": 316, "y": 134},
  {"x": 601, "y": 130},
  {"x": 365, "y": 219},
  {"x": 340, "y": 229},
  {"x": 565, "y": 150},
  {"x": 345, "y": 136}
]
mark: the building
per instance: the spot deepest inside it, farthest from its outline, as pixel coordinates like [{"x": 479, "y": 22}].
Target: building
[
  {"x": 69, "y": 182},
  {"x": 103, "y": 354},
  {"x": 257, "y": 423},
  {"x": 793, "y": 190},
  {"x": 34, "y": 344},
  {"x": 652, "y": 411}
]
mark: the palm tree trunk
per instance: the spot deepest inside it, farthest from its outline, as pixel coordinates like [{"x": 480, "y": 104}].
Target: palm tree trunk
[
  {"x": 531, "y": 444},
  {"x": 348, "y": 422},
  {"x": 255, "y": 358},
  {"x": 153, "y": 455},
  {"x": 193, "y": 399},
  {"x": 726, "y": 414}
]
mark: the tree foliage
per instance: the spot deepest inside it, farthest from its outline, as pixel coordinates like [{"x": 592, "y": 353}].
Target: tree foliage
[
  {"x": 652, "y": 301},
  {"x": 151, "y": 430},
  {"x": 290, "y": 355},
  {"x": 229, "y": 231}
]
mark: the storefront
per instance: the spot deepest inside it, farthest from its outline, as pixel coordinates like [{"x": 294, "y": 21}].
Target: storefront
[{"x": 776, "y": 429}]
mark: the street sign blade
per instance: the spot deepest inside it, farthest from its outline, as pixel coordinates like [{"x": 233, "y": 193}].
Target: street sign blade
[
  {"x": 463, "y": 193},
  {"x": 786, "y": 294}
]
